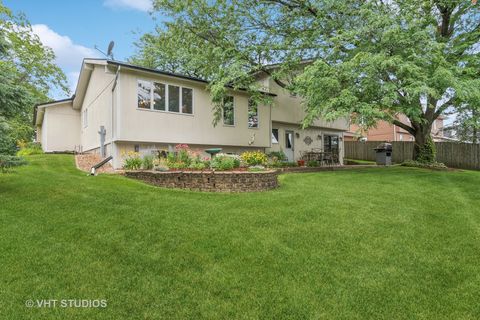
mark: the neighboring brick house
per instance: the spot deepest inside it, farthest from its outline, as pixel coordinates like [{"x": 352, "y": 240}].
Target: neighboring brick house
[{"x": 385, "y": 131}]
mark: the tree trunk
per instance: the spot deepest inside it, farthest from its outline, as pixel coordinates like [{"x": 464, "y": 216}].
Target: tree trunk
[{"x": 424, "y": 148}]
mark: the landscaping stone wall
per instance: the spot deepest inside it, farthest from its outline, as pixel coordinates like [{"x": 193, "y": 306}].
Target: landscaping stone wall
[{"x": 209, "y": 181}]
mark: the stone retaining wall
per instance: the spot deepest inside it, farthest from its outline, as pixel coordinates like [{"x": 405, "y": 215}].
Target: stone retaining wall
[{"x": 229, "y": 181}]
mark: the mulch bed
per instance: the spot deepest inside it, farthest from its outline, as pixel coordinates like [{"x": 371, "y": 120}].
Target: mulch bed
[{"x": 85, "y": 162}]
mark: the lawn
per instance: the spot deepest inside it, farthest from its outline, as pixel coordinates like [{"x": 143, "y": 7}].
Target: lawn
[{"x": 390, "y": 243}]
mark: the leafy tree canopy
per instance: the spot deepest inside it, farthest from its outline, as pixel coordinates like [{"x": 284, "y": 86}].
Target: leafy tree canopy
[
  {"x": 373, "y": 59},
  {"x": 467, "y": 124},
  {"x": 27, "y": 74}
]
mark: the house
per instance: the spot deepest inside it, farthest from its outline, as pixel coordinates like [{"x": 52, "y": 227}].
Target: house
[
  {"x": 386, "y": 131},
  {"x": 131, "y": 108}
]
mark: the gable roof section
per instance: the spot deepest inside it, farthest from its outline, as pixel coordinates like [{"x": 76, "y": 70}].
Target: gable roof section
[{"x": 39, "y": 109}]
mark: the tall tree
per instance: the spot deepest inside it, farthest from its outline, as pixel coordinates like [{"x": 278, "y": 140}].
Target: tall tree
[
  {"x": 372, "y": 58},
  {"x": 466, "y": 125},
  {"x": 27, "y": 74}
]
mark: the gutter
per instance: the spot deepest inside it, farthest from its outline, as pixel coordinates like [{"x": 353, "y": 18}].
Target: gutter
[{"x": 175, "y": 75}]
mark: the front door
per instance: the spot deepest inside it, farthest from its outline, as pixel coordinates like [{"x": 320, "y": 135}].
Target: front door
[{"x": 289, "y": 145}]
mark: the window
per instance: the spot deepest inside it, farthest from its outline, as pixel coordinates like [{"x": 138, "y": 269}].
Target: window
[
  {"x": 159, "y": 96},
  {"x": 274, "y": 135},
  {"x": 252, "y": 114},
  {"x": 173, "y": 98},
  {"x": 187, "y": 100},
  {"x": 85, "y": 118},
  {"x": 228, "y": 111},
  {"x": 288, "y": 140},
  {"x": 330, "y": 143},
  {"x": 144, "y": 92}
]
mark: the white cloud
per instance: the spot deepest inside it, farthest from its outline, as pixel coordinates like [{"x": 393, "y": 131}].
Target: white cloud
[
  {"x": 140, "y": 5},
  {"x": 68, "y": 54}
]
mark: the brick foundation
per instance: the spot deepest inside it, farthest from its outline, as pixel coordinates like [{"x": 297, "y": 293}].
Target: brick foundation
[{"x": 230, "y": 181}]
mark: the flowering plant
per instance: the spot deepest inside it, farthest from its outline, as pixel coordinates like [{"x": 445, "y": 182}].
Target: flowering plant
[
  {"x": 254, "y": 158},
  {"x": 184, "y": 158},
  {"x": 132, "y": 160}
]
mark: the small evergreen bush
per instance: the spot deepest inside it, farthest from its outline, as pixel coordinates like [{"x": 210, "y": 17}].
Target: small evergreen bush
[
  {"x": 431, "y": 165},
  {"x": 427, "y": 153},
  {"x": 8, "y": 162}
]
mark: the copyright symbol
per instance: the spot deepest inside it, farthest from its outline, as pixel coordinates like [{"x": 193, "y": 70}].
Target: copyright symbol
[{"x": 29, "y": 303}]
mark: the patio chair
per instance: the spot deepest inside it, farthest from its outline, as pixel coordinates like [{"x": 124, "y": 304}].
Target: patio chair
[{"x": 327, "y": 158}]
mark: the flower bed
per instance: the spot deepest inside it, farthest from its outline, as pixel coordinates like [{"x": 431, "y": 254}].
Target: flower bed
[
  {"x": 213, "y": 181},
  {"x": 185, "y": 168}
]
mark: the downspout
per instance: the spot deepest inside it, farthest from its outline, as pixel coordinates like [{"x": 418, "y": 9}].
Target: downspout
[
  {"x": 270, "y": 125},
  {"x": 113, "y": 149}
]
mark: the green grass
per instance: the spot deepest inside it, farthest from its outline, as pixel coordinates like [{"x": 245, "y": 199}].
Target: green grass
[{"x": 375, "y": 243}]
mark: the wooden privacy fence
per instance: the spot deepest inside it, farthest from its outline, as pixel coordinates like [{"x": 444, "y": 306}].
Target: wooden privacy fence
[{"x": 452, "y": 154}]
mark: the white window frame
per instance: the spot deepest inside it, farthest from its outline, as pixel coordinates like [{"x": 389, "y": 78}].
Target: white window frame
[
  {"x": 151, "y": 94},
  {"x": 273, "y": 136},
  {"x": 167, "y": 90},
  {"x": 234, "y": 116},
  {"x": 152, "y": 99}
]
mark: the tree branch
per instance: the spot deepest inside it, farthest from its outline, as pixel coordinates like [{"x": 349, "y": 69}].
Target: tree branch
[{"x": 402, "y": 125}]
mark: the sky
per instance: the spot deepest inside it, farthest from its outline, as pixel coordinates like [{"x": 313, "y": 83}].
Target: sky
[{"x": 73, "y": 28}]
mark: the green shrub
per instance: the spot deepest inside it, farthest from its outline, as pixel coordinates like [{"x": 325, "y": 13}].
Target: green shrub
[
  {"x": 147, "y": 162},
  {"x": 184, "y": 158},
  {"x": 283, "y": 164},
  {"x": 197, "y": 166},
  {"x": 254, "y": 158},
  {"x": 427, "y": 153},
  {"x": 160, "y": 164},
  {"x": 224, "y": 162},
  {"x": 177, "y": 165},
  {"x": 312, "y": 163},
  {"x": 418, "y": 164},
  {"x": 8, "y": 162},
  {"x": 29, "y": 148},
  {"x": 278, "y": 155},
  {"x": 132, "y": 161}
]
